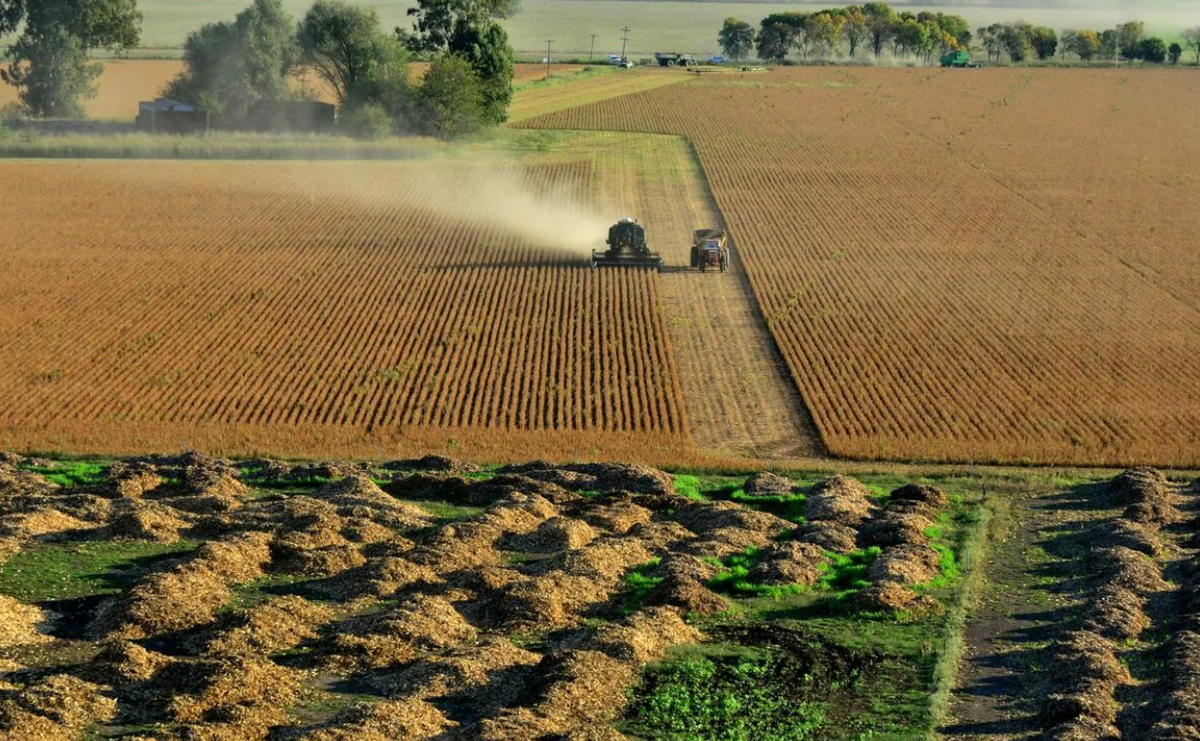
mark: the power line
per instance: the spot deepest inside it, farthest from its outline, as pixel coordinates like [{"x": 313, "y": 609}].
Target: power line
[
  {"x": 624, "y": 41},
  {"x": 592, "y": 53},
  {"x": 548, "y": 43}
]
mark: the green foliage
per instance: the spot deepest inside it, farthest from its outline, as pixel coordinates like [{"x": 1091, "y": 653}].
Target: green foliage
[
  {"x": 449, "y": 103},
  {"x": 1174, "y": 52},
  {"x": 788, "y": 506},
  {"x": 1153, "y": 50},
  {"x": 369, "y": 121},
  {"x": 71, "y": 474},
  {"x": 68, "y": 570},
  {"x": 736, "y": 38},
  {"x": 740, "y": 700},
  {"x": 486, "y": 48},
  {"x": 689, "y": 486},
  {"x": 1129, "y": 37},
  {"x": 231, "y": 67},
  {"x": 1191, "y": 40},
  {"x": 435, "y": 22},
  {"x": 639, "y": 582},
  {"x": 49, "y": 58},
  {"x": 1045, "y": 42},
  {"x": 347, "y": 48},
  {"x": 51, "y": 70},
  {"x": 847, "y": 572}
]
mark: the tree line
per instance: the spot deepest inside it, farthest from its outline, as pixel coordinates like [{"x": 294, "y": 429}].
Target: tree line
[
  {"x": 845, "y": 33},
  {"x": 237, "y": 68},
  {"x": 858, "y": 30}
]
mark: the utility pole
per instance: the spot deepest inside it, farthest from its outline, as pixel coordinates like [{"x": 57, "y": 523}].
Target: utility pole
[
  {"x": 624, "y": 41},
  {"x": 548, "y": 43},
  {"x": 592, "y": 53}
]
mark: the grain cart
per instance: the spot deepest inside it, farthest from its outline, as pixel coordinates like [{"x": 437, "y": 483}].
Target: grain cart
[
  {"x": 674, "y": 59},
  {"x": 627, "y": 248},
  {"x": 710, "y": 249}
]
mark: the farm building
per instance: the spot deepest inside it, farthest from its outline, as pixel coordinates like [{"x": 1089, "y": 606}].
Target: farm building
[{"x": 171, "y": 117}]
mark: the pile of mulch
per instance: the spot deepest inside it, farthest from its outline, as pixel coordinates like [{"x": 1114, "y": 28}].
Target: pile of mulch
[
  {"x": 1123, "y": 567},
  {"x": 454, "y": 489},
  {"x": 123, "y": 663},
  {"x": 767, "y": 484},
  {"x": 689, "y": 596},
  {"x": 19, "y": 483},
  {"x": 427, "y": 622},
  {"x": 906, "y": 565},
  {"x": 644, "y": 636},
  {"x": 572, "y": 690},
  {"x": 403, "y": 720},
  {"x": 893, "y": 597},
  {"x": 1115, "y": 613},
  {"x": 272, "y": 626},
  {"x": 928, "y": 497},
  {"x": 488, "y": 676},
  {"x": 144, "y": 521},
  {"x": 1146, "y": 495},
  {"x": 187, "y": 595},
  {"x": 133, "y": 480},
  {"x": 839, "y": 499},
  {"x": 235, "y": 697},
  {"x": 553, "y": 536},
  {"x": 57, "y": 707},
  {"x": 617, "y": 477},
  {"x": 830, "y": 536},
  {"x": 379, "y": 577},
  {"x": 19, "y": 623},
  {"x": 1084, "y": 674},
  {"x": 1178, "y": 706},
  {"x": 705, "y": 517},
  {"x": 429, "y": 464},
  {"x": 360, "y": 495},
  {"x": 887, "y": 529},
  {"x": 616, "y": 516},
  {"x": 1127, "y": 534},
  {"x": 790, "y": 562}
]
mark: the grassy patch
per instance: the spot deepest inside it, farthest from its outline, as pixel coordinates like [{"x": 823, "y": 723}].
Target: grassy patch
[
  {"x": 700, "y": 699},
  {"x": 69, "y": 474},
  {"x": 65, "y": 571},
  {"x": 445, "y": 511},
  {"x": 638, "y": 584},
  {"x": 846, "y": 572}
]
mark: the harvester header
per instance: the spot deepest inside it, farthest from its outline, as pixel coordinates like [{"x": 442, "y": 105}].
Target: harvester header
[{"x": 627, "y": 248}]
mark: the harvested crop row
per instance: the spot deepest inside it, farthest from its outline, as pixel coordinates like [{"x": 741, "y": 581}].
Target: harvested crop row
[{"x": 236, "y": 302}]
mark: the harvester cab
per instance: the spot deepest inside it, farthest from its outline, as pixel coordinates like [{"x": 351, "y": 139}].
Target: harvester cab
[{"x": 627, "y": 248}]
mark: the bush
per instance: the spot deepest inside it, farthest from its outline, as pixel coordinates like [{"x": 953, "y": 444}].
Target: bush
[
  {"x": 368, "y": 121},
  {"x": 450, "y": 103}
]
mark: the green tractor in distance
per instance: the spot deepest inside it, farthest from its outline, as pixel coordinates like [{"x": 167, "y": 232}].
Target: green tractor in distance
[
  {"x": 627, "y": 248},
  {"x": 960, "y": 59}
]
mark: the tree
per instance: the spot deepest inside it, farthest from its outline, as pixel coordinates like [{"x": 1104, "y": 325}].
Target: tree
[
  {"x": 957, "y": 28},
  {"x": 436, "y": 21},
  {"x": 778, "y": 35},
  {"x": 1175, "y": 52},
  {"x": 231, "y": 67},
  {"x": 346, "y": 47},
  {"x": 881, "y": 20},
  {"x": 471, "y": 30},
  {"x": 993, "y": 41},
  {"x": 912, "y": 36},
  {"x": 856, "y": 29},
  {"x": 1108, "y": 44},
  {"x": 1085, "y": 44},
  {"x": 1191, "y": 39},
  {"x": 1045, "y": 42},
  {"x": 1153, "y": 50},
  {"x": 1017, "y": 38},
  {"x": 1129, "y": 36},
  {"x": 737, "y": 38},
  {"x": 449, "y": 102},
  {"x": 49, "y": 57},
  {"x": 824, "y": 31}
]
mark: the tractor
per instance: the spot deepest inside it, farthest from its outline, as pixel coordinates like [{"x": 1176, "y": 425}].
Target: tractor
[
  {"x": 710, "y": 249},
  {"x": 627, "y": 248},
  {"x": 960, "y": 59}
]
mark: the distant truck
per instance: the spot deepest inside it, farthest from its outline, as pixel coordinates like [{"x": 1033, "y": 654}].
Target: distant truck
[
  {"x": 960, "y": 59},
  {"x": 674, "y": 59},
  {"x": 710, "y": 249}
]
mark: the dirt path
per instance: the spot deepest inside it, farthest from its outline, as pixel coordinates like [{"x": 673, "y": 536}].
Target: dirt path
[{"x": 739, "y": 397}]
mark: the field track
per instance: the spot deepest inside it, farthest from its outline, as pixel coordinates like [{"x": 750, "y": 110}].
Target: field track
[
  {"x": 936, "y": 292},
  {"x": 739, "y": 398}
]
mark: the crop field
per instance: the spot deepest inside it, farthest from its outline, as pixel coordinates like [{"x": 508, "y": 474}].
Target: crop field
[
  {"x": 270, "y": 312},
  {"x": 184, "y": 596},
  {"x": 1000, "y": 278},
  {"x": 123, "y": 84}
]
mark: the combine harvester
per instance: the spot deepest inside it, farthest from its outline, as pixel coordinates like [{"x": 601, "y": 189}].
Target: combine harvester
[{"x": 627, "y": 248}]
